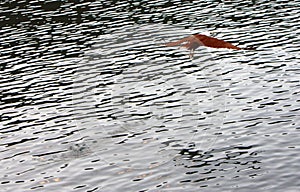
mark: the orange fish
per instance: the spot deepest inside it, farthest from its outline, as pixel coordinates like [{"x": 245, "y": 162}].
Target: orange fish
[{"x": 197, "y": 40}]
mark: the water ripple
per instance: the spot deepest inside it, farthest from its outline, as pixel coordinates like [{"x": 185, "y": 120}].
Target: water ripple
[{"x": 90, "y": 99}]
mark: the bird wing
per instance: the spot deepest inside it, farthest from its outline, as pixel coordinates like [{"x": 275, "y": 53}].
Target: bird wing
[
  {"x": 190, "y": 40},
  {"x": 191, "y": 43},
  {"x": 217, "y": 43},
  {"x": 179, "y": 42}
]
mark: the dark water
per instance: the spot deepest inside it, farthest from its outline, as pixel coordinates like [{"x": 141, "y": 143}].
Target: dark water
[{"x": 91, "y": 101}]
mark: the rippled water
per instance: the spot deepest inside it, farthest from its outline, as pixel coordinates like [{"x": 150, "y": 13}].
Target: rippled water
[{"x": 92, "y": 101}]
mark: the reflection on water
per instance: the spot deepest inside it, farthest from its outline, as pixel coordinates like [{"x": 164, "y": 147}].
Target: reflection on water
[{"x": 92, "y": 101}]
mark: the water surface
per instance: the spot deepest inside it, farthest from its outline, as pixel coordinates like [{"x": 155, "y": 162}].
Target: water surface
[{"x": 91, "y": 101}]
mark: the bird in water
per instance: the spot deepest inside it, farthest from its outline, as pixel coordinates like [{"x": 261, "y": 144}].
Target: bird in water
[{"x": 196, "y": 40}]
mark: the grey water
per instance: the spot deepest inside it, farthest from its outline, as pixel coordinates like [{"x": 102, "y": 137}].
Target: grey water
[{"x": 91, "y": 100}]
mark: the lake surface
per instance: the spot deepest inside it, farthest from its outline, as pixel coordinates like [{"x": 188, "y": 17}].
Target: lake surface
[{"x": 91, "y": 100}]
